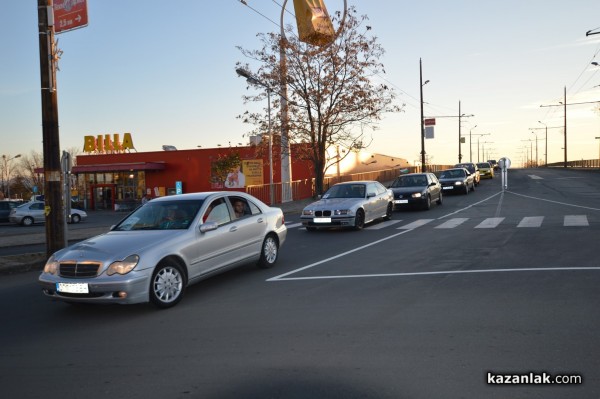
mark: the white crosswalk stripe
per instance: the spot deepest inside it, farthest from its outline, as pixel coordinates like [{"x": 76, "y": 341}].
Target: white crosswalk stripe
[
  {"x": 489, "y": 223},
  {"x": 531, "y": 221},
  {"x": 452, "y": 223},
  {"x": 576, "y": 220},
  {"x": 415, "y": 224},
  {"x": 382, "y": 225}
]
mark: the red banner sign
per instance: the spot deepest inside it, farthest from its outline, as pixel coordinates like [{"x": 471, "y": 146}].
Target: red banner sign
[
  {"x": 429, "y": 122},
  {"x": 69, "y": 15}
]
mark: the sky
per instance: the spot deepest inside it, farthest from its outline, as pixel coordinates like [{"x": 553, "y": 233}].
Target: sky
[{"x": 164, "y": 71}]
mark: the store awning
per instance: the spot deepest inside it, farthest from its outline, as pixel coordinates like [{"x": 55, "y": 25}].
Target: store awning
[{"x": 114, "y": 167}]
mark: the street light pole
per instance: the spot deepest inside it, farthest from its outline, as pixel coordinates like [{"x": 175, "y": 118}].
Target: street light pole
[
  {"x": 252, "y": 80},
  {"x": 598, "y": 138},
  {"x": 565, "y": 107},
  {"x": 471, "y": 144},
  {"x": 6, "y": 170},
  {"x": 536, "y": 149},
  {"x": 459, "y": 144},
  {"x": 546, "y": 151},
  {"x": 481, "y": 134},
  {"x": 423, "y": 167}
]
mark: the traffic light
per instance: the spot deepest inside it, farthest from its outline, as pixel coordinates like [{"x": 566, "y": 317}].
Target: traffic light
[{"x": 314, "y": 24}]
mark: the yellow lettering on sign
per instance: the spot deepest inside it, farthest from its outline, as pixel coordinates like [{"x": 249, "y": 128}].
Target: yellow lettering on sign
[
  {"x": 103, "y": 143},
  {"x": 107, "y": 143},
  {"x": 99, "y": 143},
  {"x": 89, "y": 144},
  {"x": 127, "y": 142},
  {"x": 117, "y": 142}
]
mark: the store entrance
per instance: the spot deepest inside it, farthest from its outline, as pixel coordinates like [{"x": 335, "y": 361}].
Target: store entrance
[{"x": 103, "y": 197}]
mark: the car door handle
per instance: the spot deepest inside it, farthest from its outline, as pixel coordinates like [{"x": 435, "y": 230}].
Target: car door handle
[
  {"x": 259, "y": 220},
  {"x": 232, "y": 229}
]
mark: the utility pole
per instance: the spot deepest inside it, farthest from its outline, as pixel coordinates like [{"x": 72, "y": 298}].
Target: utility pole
[
  {"x": 565, "y": 106},
  {"x": 54, "y": 209},
  {"x": 423, "y": 167},
  {"x": 459, "y": 138}
]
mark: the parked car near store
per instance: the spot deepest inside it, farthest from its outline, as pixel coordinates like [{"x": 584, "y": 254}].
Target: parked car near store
[
  {"x": 163, "y": 247},
  {"x": 350, "y": 204},
  {"x": 5, "y": 207},
  {"x": 33, "y": 212},
  {"x": 486, "y": 171},
  {"x": 416, "y": 189},
  {"x": 457, "y": 180}
]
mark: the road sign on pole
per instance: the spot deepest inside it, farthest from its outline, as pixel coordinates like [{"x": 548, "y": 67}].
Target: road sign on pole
[
  {"x": 504, "y": 164},
  {"x": 69, "y": 15}
]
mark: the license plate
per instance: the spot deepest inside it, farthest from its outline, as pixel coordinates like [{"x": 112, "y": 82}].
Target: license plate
[
  {"x": 400, "y": 201},
  {"x": 322, "y": 220},
  {"x": 73, "y": 288},
  {"x": 447, "y": 188}
]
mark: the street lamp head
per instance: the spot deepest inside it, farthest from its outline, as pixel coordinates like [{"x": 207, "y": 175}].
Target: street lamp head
[
  {"x": 427, "y": 81},
  {"x": 17, "y": 156},
  {"x": 243, "y": 73},
  {"x": 595, "y": 63}
]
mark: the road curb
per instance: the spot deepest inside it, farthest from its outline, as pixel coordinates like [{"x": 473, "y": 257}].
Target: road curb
[{"x": 22, "y": 263}]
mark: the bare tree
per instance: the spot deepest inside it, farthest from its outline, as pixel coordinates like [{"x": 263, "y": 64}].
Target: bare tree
[
  {"x": 29, "y": 176},
  {"x": 333, "y": 93}
]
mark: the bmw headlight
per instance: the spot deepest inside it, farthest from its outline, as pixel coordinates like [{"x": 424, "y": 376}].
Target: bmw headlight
[
  {"x": 342, "y": 212},
  {"x": 308, "y": 212},
  {"x": 458, "y": 183},
  {"x": 51, "y": 266},
  {"x": 417, "y": 195},
  {"x": 123, "y": 266}
]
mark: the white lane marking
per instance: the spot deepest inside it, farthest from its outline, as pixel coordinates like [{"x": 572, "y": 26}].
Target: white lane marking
[
  {"x": 534, "y": 177},
  {"x": 382, "y": 225},
  {"x": 531, "y": 221},
  {"x": 576, "y": 220},
  {"x": 529, "y": 269},
  {"x": 475, "y": 204},
  {"x": 452, "y": 223},
  {"x": 554, "y": 202},
  {"x": 489, "y": 223},
  {"x": 415, "y": 224},
  {"x": 293, "y": 225},
  {"x": 339, "y": 255}
]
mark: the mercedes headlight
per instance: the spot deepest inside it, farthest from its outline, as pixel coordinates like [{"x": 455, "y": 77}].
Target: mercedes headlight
[
  {"x": 123, "y": 266},
  {"x": 51, "y": 266}
]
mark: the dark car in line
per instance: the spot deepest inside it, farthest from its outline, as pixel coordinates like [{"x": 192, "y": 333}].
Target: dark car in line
[
  {"x": 473, "y": 169},
  {"x": 416, "y": 190},
  {"x": 457, "y": 180},
  {"x": 494, "y": 164}
]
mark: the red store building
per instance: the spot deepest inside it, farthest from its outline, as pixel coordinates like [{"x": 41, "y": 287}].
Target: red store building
[{"x": 119, "y": 180}]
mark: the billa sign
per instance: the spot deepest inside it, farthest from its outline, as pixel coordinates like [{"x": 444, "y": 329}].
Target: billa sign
[
  {"x": 69, "y": 15},
  {"x": 105, "y": 144}
]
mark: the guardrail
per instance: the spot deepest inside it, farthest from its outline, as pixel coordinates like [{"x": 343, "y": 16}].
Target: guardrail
[
  {"x": 302, "y": 189},
  {"x": 584, "y": 163}
]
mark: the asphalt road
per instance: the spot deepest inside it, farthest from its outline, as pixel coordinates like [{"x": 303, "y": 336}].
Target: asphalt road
[{"x": 423, "y": 306}]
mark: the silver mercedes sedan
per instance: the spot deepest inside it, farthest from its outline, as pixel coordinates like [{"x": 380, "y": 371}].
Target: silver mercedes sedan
[
  {"x": 349, "y": 204},
  {"x": 162, "y": 247}
]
